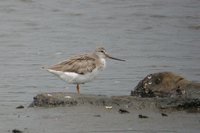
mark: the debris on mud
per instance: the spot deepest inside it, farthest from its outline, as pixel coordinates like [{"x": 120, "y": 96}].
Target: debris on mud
[
  {"x": 164, "y": 115},
  {"x": 142, "y": 116},
  {"x": 20, "y": 107},
  {"x": 16, "y": 131},
  {"x": 123, "y": 111},
  {"x": 112, "y": 102}
]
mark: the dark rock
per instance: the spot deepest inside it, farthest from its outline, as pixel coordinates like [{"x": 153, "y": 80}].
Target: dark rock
[
  {"x": 97, "y": 115},
  {"x": 187, "y": 104},
  {"x": 190, "y": 104},
  {"x": 142, "y": 116},
  {"x": 16, "y": 131},
  {"x": 20, "y": 107},
  {"x": 164, "y": 90},
  {"x": 163, "y": 114},
  {"x": 123, "y": 111},
  {"x": 170, "y": 91},
  {"x": 59, "y": 99},
  {"x": 55, "y": 99},
  {"x": 117, "y": 102},
  {"x": 166, "y": 84}
]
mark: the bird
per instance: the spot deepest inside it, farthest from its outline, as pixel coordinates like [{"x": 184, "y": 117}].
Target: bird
[{"x": 82, "y": 68}]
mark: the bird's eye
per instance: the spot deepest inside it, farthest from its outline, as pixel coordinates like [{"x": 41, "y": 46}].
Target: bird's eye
[{"x": 102, "y": 51}]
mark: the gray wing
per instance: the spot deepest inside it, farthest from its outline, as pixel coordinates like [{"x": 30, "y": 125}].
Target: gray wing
[{"x": 78, "y": 64}]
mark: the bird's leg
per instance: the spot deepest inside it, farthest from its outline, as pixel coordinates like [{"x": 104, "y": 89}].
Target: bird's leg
[{"x": 78, "y": 89}]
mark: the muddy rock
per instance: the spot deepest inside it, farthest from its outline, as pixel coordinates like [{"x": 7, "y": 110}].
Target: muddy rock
[
  {"x": 170, "y": 91},
  {"x": 117, "y": 103},
  {"x": 55, "y": 99},
  {"x": 123, "y": 111},
  {"x": 20, "y": 107},
  {"x": 166, "y": 84},
  {"x": 163, "y": 91},
  {"x": 142, "y": 116},
  {"x": 16, "y": 131}
]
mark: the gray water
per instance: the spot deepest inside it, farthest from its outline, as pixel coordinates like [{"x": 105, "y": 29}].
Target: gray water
[{"x": 152, "y": 35}]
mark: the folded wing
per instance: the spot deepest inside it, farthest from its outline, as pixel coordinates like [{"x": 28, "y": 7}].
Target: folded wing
[{"x": 78, "y": 64}]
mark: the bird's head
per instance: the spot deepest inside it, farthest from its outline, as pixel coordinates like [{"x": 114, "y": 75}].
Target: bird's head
[{"x": 101, "y": 52}]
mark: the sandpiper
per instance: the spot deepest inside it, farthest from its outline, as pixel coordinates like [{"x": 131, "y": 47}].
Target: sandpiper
[{"x": 83, "y": 68}]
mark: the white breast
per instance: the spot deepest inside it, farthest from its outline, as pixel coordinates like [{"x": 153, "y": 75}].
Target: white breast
[{"x": 103, "y": 63}]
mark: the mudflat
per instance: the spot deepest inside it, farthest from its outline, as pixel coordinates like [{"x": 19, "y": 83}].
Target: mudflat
[
  {"x": 86, "y": 118},
  {"x": 174, "y": 112}
]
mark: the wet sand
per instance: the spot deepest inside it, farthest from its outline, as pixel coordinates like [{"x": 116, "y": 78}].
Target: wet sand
[
  {"x": 104, "y": 115},
  {"x": 90, "y": 118}
]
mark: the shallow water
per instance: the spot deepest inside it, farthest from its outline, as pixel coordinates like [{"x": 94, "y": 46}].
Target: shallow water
[{"x": 152, "y": 35}]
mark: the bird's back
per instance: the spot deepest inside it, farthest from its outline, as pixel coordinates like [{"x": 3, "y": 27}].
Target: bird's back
[{"x": 81, "y": 64}]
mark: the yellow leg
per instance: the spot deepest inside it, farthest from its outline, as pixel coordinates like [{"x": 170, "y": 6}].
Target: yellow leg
[{"x": 78, "y": 89}]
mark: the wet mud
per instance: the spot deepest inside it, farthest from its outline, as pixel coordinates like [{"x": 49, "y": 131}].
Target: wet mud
[{"x": 160, "y": 100}]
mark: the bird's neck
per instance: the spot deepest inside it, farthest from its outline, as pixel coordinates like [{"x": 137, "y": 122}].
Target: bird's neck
[{"x": 103, "y": 63}]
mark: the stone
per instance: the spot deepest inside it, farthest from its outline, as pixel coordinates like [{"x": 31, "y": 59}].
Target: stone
[
  {"x": 142, "y": 116},
  {"x": 166, "y": 84},
  {"x": 16, "y": 131},
  {"x": 163, "y": 91},
  {"x": 20, "y": 107},
  {"x": 123, "y": 111}
]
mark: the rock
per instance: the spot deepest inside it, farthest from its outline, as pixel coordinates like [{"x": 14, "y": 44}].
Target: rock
[
  {"x": 116, "y": 102},
  {"x": 53, "y": 99},
  {"x": 190, "y": 103},
  {"x": 97, "y": 115},
  {"x": 16, "y": 131},
  {"x": 166, "y": 84},
  {"x": 123, "y": 111},
  {"x": 164, "y": 115},
  {"x": 164, "y": 90},
  {"x": 170, "y": 91},
  {"x": 20, "y": 107},
  {"x": 107, "y": 102},
  {"x": 142, "y": 116}
]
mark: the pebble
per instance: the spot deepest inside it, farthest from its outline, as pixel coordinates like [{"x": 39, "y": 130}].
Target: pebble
[
  {"x": 142, "y": 116},
  {"x": 49, "y": 95},
  {"x": 163, "y": 114},
  {"x": 108, "y": 107},
  {"x": 68, "y": 97},
  {"x": 123, "y": 111},
  {"x": 97, "y": 115},
  {"x": 16, "y": 131},
  {"x": 20, "y": 107}
]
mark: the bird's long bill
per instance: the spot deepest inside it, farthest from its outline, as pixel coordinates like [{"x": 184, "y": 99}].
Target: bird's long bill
[{"x": 114, "y": 58}]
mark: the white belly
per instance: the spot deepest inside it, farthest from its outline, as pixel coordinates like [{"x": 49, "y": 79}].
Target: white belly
[{"x": 74, "y": 78}]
